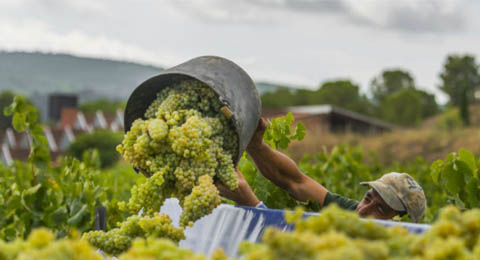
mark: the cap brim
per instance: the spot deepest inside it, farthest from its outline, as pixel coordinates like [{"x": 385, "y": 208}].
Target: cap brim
[{"x": 387, "y": 194}]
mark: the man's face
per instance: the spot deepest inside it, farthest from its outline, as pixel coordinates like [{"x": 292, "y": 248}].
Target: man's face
[{"x": 372, "y": 205}]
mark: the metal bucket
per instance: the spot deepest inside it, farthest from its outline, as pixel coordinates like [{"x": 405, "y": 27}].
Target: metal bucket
[{"x": 234, "y": 87}]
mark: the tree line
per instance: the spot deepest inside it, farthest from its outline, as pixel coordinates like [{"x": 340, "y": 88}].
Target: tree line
[{"x": 393, "y": 95}]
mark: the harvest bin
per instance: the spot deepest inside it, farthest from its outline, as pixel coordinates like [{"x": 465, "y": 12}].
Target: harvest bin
[
  {"x": 234, "y": 87},
  {"x": 229, "y": 225}
]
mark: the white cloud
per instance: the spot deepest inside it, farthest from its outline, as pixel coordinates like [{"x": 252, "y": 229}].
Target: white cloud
[
  {"x": 37, "y": 36},
  {"x": 421, "y": 16},
  {"x": 412, "y": 15},
  {"x": 227, "y": 11}
]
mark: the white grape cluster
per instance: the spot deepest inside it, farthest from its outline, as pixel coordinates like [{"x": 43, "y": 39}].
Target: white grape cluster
[
  {"x": 164, "y": 249},
  {"x": 184, "y": 138},
  {"x": 203, "y": 199},
  {"x": 118, "y": 240},
  {"x": 41, "y": 244}
]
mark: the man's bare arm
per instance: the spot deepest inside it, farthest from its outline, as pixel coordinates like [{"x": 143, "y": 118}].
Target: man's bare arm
[
  {"x": 283, "y": 171},
  {"x": 243, "y": 195}
]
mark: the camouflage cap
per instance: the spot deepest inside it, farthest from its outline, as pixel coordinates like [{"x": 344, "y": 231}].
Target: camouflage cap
[{"x": 402, "y": 193}]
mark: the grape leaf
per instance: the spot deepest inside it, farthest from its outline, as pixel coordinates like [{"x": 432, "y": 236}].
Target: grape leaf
[
  {"x": 436, "y": 169},
  {"x": 473, "y": 193},
  {"x": 469, "y": 159},
  {"x": 299, "y": 132},
  {"x": 453, "y": 180}
]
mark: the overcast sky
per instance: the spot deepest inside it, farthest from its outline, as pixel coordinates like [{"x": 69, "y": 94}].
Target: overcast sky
[{"x": 300, "y": 42}]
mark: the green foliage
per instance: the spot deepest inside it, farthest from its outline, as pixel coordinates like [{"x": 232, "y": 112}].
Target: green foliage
[
  {"x": 24, "y": 119},
  {"x": 449, "y": 120},
  {"x": 340, "y": 171},
  {"x": 429, "y": 104},
  {"x": 278, "y": 134},
  {"x": 460, "y": 79},
  {"x": 61, "y": 197},
  {"x": 390, "y": 82},
  {"x": 120, "y": 178},
  {"x": 107, "y": 106},
  {"x": 398, "y": 101},
  {"x": 103, "y": 140},
  {"x": 404, "y": 108},
  {"x": 282, "y": 97},
  {"x": 6, "y": 98},
  {"x": 342, "y": 93},
  {"x": 392, "y": 91},
  {"x": 458, "y": 176}
]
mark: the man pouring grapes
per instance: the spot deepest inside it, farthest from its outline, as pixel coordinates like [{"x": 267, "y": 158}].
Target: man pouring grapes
[{"x": 391, "y": 195}]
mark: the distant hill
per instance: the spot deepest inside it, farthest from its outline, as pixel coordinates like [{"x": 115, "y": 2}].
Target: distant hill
[{"x": 91, "y": 78}]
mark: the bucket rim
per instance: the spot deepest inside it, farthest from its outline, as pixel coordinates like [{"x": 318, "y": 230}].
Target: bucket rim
[{"x": 129, "y": 119}]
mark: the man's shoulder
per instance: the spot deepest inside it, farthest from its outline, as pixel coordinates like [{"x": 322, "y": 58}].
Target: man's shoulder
[{"x": 341, "y": 201}]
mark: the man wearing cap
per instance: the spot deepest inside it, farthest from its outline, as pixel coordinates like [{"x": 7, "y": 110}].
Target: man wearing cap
[{"x": 391, "y": 195}]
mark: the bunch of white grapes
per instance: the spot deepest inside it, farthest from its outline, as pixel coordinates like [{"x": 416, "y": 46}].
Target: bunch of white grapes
[
  {"x": 41, "y": 244},
  {"x": 164, "y": 249},
  {"x": 183, "y": 145},
  {"x": 118, "y": 240}
]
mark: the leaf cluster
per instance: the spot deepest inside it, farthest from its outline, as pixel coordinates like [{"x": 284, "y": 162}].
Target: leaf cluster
[{"x": 61, "y": 195}]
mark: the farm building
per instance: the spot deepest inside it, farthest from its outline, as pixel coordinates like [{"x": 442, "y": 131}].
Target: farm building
[{"x": 331, "y": 118}]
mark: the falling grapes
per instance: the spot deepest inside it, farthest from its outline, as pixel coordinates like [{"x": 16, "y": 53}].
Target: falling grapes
[
  {"x": 203, "y": 199},
  {"x": 184, "y": 138},
  {"x": 183, "y": 144}
]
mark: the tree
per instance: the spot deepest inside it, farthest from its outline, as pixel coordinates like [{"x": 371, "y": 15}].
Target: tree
[
  {"x": 403, "y": 107},
  {"x": 302, "y": 97},
  {"x": 429, "y": 104},
  {"x": 282, "y": 97},
  {"x": 102, "y": 140},
  {"x": 389, "y": 82},
  {"x": 460, "y": 78},
  {"x": 104, "y": 105},
  {"x": 342, "y": 93}
]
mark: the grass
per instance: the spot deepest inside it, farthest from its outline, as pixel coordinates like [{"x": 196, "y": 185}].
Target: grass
[{"x": 433, "y": 140}]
